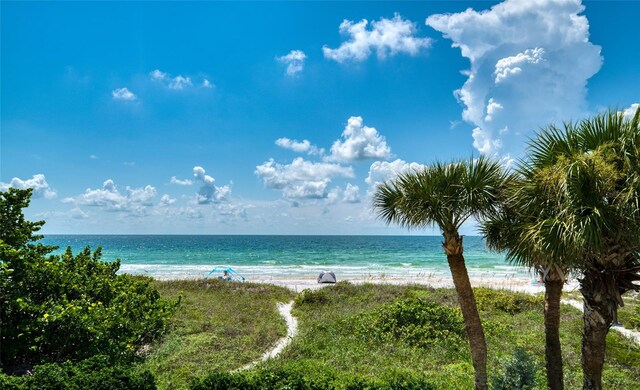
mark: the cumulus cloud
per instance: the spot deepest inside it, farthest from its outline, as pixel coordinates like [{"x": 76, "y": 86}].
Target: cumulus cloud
[
  {"x": 178, "y": 182},
  {"x": 209, "y": 192},
  {"x": 492, "y": 108},
  {"x": 294, "y": 61},
  {"x": 158, "y": 75},
  {"x": 360, "y": 143},
  {"x": 38, "y": 183},
  {"x": 176, "y": 83},
  {"x": 180, "y": 82},
  {"x": 387, "y": 37},
  {"x": 301, "y": 179},
  {"x": 123, "y": 94},
  {"x": 303, "y": 146},
  {"x": 134, "y": 200},
  {"x": 351, "y": 194},
  {"x": 333, "y": 196},
  {"x": 381, "y": 171},
  {"x": 631, "y": 111},
  {"x": 530, "y": 62},
  {"x": 166, "y": 200},
  {"x": 207, "y": 84}
]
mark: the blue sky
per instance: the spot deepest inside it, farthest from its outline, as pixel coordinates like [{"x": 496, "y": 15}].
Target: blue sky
[{"x": 280, "y": 118}]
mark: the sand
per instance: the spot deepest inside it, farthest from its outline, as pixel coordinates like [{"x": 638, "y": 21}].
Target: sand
[{"x": 527, "y": 285}]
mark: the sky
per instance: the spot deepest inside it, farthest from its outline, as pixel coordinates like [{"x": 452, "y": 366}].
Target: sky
[{"x": 283, "y": 117}]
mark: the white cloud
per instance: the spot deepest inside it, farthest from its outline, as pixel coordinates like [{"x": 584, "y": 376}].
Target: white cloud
[
  {"x": 133, "y": 200},
  {"x": 351, "y": 194},
  {"x": 176, "y": 181},
  {"x": 158, "y": 75},
  {"x": 510, "y": 66},
  {"x": 533, "y": 57},
  {"x": 166, "y": 200},
  {"x": 209, "y": 192},
  {"x": 303, "y": 146},
  {"x": 38, "y": 183},
  {"x": 294, "y": 61},
  {"x": 360, "y": 143},
  {"x": 381, "y": 171},
  {"x": 631, "y": 111},
  {"x": 310, "y": 189},
  {"x": 301, "y": 179},
  {"x": 179, "y": 82},
  {"x": 93, "y": 157},
  {"x": 333, "y": 196},
  {"x": 386, "y": 37},
  {"x": 123, "y": 94},
  {"x": 492, "y": 108}
]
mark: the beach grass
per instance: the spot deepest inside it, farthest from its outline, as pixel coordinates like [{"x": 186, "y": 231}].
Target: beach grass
[
  {"x": 511, "y": 320},
  {"x": 218, "y": 326},
  {"x": 222, "y": 326}
]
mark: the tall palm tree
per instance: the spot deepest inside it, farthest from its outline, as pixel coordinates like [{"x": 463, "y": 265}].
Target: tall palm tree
[
  {"x": 447, "y": 195},
  {"x": 515, "y": 229},
  {"x": 593, "y": 171}
]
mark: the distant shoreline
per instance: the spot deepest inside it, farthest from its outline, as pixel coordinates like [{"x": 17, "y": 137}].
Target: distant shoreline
[{"x": 297, "y": 284}]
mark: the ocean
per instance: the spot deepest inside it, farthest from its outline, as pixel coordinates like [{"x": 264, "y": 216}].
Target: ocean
[{"x": 192, "y": 256}]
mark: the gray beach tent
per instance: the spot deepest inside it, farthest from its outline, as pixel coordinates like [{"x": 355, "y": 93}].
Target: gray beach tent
[{"x": 327, "y": 277}]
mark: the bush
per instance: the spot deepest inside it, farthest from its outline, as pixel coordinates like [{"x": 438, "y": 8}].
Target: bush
[
  {"x": 519, "y": 372},
  {"x": 96, "y": 373},
  {"x": 298, "y": 375},
  {"x": 69, "y": 307},
  {"x": 507, "y": 301},
  {"x": 415, "y": 321},
  {"x": 308, "y": 376},
  {"x": 311, "y": 297}
]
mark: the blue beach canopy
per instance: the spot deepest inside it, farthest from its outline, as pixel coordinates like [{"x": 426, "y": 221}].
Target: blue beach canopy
[{"x": 233, "y": 275}]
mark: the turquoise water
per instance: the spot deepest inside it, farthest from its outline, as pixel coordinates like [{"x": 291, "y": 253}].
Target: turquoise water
[{"x": 171, "y": 256}]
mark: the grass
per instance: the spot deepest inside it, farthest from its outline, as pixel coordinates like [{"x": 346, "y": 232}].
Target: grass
[
  {"x": 510, "y": 320},
  {"x": 222, "y": 326},
  {"x": 219, "y": 326}
]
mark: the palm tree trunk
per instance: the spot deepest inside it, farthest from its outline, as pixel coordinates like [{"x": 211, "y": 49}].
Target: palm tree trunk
[
  {"x": 467, "y": 301},
  {"x": 598, "y": 316},
  {"x": 553, "y": 351}
]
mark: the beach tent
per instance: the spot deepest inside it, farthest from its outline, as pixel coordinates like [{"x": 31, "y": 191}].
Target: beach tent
[
  {"x": 327, "y": 277},
  {"x": 219, "y": 272}
]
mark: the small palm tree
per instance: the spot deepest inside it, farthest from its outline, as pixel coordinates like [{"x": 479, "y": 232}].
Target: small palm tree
[
  {"x": 592, "y": 170},
  {"x": 447, "y": 195},
  {"x": 515, "y": 229}
]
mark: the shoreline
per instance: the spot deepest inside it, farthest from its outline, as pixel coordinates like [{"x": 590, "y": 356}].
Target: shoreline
[{"x": 298, "y": 283}]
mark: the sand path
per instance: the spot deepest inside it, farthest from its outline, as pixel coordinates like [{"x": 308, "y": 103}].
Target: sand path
[
  {"x": 632, "y": 335},
  {"x": 292, "y": 331}
]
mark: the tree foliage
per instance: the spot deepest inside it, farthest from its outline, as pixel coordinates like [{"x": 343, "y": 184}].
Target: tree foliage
[{"x": 67, "y": 307}]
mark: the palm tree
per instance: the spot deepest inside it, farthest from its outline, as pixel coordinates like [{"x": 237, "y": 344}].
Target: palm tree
[
  {"x": 447, "y": 195},
  {"x": 515, "y": 229},
  {"x": 593, "y": 176}
]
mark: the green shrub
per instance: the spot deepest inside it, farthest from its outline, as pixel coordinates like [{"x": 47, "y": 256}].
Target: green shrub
[
  {"x": 415, "y": 321},
  {"x": 10, "y": 382},
  {"x": 311, "y": 297},
  {"x": 69, "y": 307},
  {"x": 297, "y": 375},
  {"x": 223, "y": 381},
  {"x": 519, "y": 372},
  {"x": 635, "y": 319},
  {"x": 308, "y": 376},
  {"x": 96, "y": 373},
  {"x": 507, "y": 301}
]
